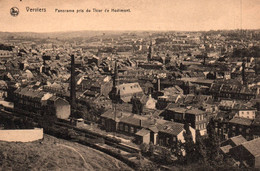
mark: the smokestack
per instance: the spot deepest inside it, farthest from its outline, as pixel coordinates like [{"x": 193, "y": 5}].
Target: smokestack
[
  {"x": 115, "y": 81},
  {"x": 72, "y": 84},
  {"x": 243, "y": 73}
]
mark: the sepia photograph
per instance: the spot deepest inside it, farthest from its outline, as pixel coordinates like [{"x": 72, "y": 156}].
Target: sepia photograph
[{"x": 129, "y": 85}]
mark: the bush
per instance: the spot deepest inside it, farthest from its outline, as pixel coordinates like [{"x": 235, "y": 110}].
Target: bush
[{"x": 144, "y": 148}]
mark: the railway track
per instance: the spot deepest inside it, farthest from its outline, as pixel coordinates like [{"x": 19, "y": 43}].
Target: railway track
[{"x": 111, "y": 146}]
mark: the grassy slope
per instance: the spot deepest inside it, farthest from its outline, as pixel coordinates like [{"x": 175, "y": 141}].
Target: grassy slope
[{"x": 55, "y": 154}]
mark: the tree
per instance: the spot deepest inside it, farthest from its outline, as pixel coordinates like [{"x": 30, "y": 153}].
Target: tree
[
  {"x": 213, "y": 144},
  {"x": 165, "y": 156},
  {"x": 200, "y": 148},
  {"x": 144, "y": 148},
  {"x": 137, "y": 107},
  {"x": 178, "y": 151},
  {"x": 189, "y": 145},
  {"x": 151, "y": 149}
]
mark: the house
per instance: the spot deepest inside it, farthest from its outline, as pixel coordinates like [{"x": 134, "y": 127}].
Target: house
[
  {"x": 171, "y": 132},
  {"x": 59, "y": 107},
  {"x": 234, "y": 141},
  {"x": 226, "y": 105},
  {"x": 36, "y": 102},
  {"x": 144, "y": 129},
  {"x": 129, "y": 90},
  {"x": 195, "y": 117},
  {"x": 6, "y": 55},
  {"x": 232, "y": 91},
  {"x": 248, "y": 153},
  {"x": 247, "y": 113},
  {"x": 240, "y": 126}
]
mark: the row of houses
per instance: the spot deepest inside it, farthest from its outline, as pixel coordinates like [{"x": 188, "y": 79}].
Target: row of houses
[
  {"x": 232, "y": 91},
  {"x": 36, "y": 102},
  {"x": 145, "y": 129},
  {"x": 244, "y": 122}
]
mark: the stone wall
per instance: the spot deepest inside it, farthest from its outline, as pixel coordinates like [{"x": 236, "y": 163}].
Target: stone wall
[{"x": 21, "y": 135}]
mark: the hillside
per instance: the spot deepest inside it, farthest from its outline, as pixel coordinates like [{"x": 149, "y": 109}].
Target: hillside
[{"x": 55, "y": 154}]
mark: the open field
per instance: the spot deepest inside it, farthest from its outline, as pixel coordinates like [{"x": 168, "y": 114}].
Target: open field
[{"x": 55, "y": 154}]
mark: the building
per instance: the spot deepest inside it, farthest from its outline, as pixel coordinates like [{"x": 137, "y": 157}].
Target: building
[
  {"x": 247, "y": 153},
  {"x": 231, "y": 91},
  {"x": 129, "y": 90},
  {"x": 195, "y": 117},
  {"x": 247, "y": 113},
  {"x": 35, "y": 102},
  {"x": 6, "y": 55},
  {"x": 145, "y": 129}
]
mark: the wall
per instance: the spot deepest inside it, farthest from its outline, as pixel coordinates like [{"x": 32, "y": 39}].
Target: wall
[
  {"x": 250, "y": 114},
  {"x": 21, "y": 135}
]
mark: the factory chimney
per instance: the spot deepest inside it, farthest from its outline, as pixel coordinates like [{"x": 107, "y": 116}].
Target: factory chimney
[
  {"x": 243, "y": 73},
  {"x": 72, "y": 84}
]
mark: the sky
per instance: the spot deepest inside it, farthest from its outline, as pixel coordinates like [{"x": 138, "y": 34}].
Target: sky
[{"x": 161, "y": 15}]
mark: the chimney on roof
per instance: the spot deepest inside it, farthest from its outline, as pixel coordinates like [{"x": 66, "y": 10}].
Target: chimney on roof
[
  {"x": 159, "y": 84},
  {"x": 72, "y": 84},
  {"x": 140, "y": 122}
]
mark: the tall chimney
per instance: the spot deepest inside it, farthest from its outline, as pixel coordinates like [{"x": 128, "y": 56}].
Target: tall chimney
[
  {"x": 243, "y": 73},
  {"x": 72, "y": 84},
  {"x": 115, "y": 78}
]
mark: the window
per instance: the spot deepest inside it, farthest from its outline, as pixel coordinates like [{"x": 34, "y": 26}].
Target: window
[
  {"x": 132, "y": 130},
  {"x": 167, "y": 141},
  {"x": 247, "y": 130},
  {"x": 121, "y": 126},
  {"x": 174, "y": 139},
  {"x": 126, "y": 128}
]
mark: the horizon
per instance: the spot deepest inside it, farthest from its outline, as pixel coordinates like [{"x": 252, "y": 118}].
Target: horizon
[{"x": 66, "y": 31}]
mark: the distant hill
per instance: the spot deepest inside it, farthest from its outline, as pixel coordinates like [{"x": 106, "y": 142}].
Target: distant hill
[{"x": 69, "y": 34}]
